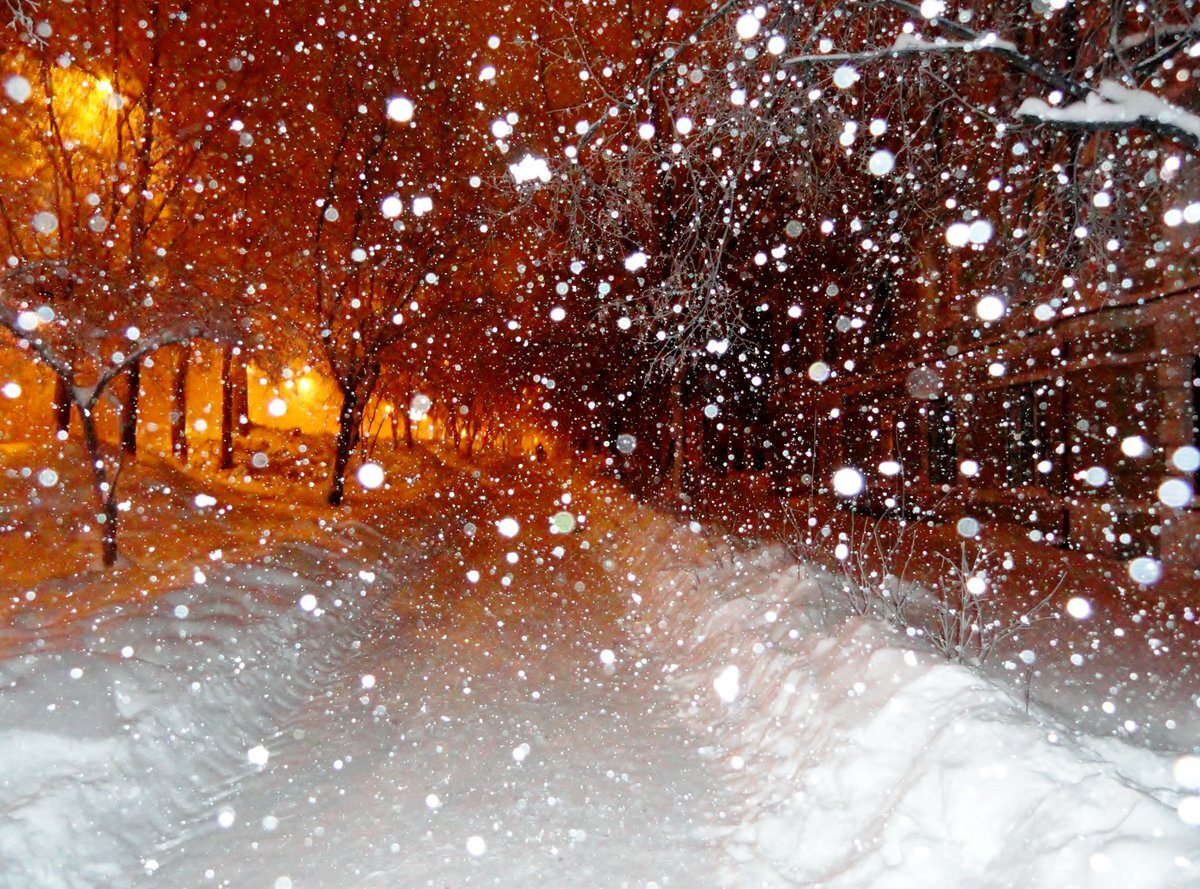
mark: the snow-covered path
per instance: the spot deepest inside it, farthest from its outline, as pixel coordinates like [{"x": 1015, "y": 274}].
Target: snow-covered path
[
  {"x": 421, "y": 724},
  {"x": 490, "y": 716},
  {"x": 431, "y": 689}
]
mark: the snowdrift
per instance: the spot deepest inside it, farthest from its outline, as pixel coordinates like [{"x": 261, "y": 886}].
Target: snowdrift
[
  {"x": 115, "y": 727},
  {"x": 865, "y": 763}
]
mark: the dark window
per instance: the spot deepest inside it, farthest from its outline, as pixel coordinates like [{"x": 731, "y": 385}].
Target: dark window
[
  {"x": 830, "y": 331},
  {"x": 1021, "y": 442},
  {"x": 943, "y": 442},
  {"x": 1196, "y": 400}
]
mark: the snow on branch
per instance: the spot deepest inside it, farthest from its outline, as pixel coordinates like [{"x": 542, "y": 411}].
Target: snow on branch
[
  {"x": 21, "y": 12},
  {"x": 1109, "y": 107},
  {"x": 1113, "y": 106}
]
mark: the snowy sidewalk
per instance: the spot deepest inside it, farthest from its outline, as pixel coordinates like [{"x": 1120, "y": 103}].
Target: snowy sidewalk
[
  {"x": 476, "y": 738},
  {"x": 380, "y": 716}
]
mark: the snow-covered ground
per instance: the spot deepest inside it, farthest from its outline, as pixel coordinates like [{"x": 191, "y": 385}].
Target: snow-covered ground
[
  {"x": 399, "y": 694},
  {"x": 860, "y": 760}
]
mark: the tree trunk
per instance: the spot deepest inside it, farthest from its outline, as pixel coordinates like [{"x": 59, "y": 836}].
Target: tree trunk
[
  {"x": 104, "y": 492},
  {"x": 62, "y": 406},
  {"x": 347, "y": 423},
  {"x": 241, "y": 393},
  {"x": 129, "y": 411},
  {"x": 227, "y": 408},
  {"x": 404, "y": 408},
  {"x": 179, "y": 440},
  {"x": 394, "y": 420},
  {"x": 677, "y": 429}
]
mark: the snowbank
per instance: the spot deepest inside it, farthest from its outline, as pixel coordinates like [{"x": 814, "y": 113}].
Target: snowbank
[
  {"x": 863, "y": 763},
  {"x": 113, "y": 728}
]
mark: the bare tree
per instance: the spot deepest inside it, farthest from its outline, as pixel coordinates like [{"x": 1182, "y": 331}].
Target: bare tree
[
  {"x": 940, "y": 153},
  {"x": 86, "y": 360}
]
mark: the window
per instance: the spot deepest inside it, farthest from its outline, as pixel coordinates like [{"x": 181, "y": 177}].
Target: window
[
  {"x": 1021, "y": 440},
  {"x": 942, "y": 419}
]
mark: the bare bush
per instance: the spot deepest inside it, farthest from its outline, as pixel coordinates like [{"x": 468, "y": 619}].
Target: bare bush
[{"x": 958, "y": 614}]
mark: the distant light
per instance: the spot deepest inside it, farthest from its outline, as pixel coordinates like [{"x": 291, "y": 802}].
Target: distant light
[
  {"x": 635, "y": 262},
  {"x": 818, "y": 372},
  {"x": 308, "y": 602},
  {"x": 558, "y": 313},
  {"x": 11, "y": 390},
  {"x": 392, "y": 206},
  {"x": 848, "y": 482},
  {"x": 277, "y": 407},
  {"x": 501, "y": 128},
  {"x": 777, "y": 44},
  {"x": 508, "y": 527},
  {"x": 422, "y": 205},
  {"x": 646, "y": 131},
  {"x": 889, "y": 468},
  {"x": 487, "y": 72},
  {"x": 370, "y": 476},
  {"x": 683, "y": 126},
  {"x": 400, "y": 109},
  {"x": 476, "y": 846}
]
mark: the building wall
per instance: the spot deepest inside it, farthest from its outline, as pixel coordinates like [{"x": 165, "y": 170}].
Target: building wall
[{"x": 1022, "y": 421}]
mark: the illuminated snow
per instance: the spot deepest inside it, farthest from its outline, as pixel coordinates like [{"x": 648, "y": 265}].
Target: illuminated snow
[
  {"x": 728, "y": 684},
  {"x": 1079, "y": 608},
  {"x": 848, "y": 482},
  {"x": 370, "y": 476},
  {"x": 400, "y": 109},
  {"x": 258, "y": 756},
  {"x": 990, "y": 308},
  {"x": 17, "y": 88},
  {"x": 530, "y": 169},
  {"x": 747, "y": 26},
  {"x": 881, "y": 163},
  {"x": 636, "y": 261}
]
